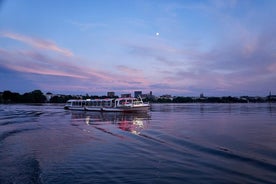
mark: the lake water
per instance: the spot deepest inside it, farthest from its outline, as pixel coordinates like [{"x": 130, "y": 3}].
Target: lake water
[{"x": 173, "y": 143}]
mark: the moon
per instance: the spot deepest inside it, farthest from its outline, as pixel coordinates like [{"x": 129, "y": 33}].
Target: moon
[{"x": 157, "y": 34}]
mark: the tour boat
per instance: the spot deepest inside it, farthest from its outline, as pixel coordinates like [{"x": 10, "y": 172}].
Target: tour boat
[{"x": 108, "y": 105}]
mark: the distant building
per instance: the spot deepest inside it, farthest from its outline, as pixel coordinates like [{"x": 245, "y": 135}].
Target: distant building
[
  {"x": 148, "y": 96},
  {"x": 137, "y": 94},
  {"x": 49, "y": 96},
  {"x": 201, "y": 95},
  {"x": 110, "y": 94},
  {"x": 166, "y": 97},
  {"x": 127, "y": 95}
]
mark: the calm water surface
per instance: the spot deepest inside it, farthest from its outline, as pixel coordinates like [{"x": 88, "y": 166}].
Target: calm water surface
[{"x": 173, "y": 143}]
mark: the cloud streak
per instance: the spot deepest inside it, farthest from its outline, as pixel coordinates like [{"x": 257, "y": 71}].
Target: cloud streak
[
  {"x": 38, "y": 63},
  {"x": 52, "y": 73},
  {"x": 38, "y": 43}
]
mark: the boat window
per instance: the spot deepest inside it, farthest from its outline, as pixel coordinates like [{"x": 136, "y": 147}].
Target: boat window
[{"x": 137, "y": 102}]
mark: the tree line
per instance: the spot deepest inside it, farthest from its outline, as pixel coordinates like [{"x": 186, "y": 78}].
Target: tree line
[
  {"x": 225, "y": 99},
  {"x": 37, "y": 96}
]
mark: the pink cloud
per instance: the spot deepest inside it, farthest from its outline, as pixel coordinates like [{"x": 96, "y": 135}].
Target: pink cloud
[
  {"x": 41, "y": 71},
  {"x": 36, "y": 42},
  {"x": 37, "y": 63},
  {"x": 56, "y": 73}
]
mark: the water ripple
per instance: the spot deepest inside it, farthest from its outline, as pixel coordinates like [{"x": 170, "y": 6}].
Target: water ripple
[
  {"x": 7, "y": 134},
  {"x": 174, "y": 143}
]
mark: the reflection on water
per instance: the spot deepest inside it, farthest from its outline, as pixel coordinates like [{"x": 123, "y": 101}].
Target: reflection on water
[
  {"x": 131, "y": 122},
  {"x": 173, "y": 143}
]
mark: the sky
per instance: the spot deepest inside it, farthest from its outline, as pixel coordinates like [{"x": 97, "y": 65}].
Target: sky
[{"x": 177, "y": 47}]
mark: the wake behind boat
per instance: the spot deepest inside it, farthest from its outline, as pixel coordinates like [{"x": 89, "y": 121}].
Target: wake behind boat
[{"x": 108, "y": 105}]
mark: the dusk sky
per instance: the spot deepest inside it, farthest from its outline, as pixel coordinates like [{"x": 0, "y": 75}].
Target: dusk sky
[{"x": 184, "y": 47}]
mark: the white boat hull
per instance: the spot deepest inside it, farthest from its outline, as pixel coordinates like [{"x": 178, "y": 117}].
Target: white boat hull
[
  {"x": 104, "y": 109},
  {"x": 108, "y": 105},
  {"x": 126, "y": 109},
  {"x": 74, "y": 108}
]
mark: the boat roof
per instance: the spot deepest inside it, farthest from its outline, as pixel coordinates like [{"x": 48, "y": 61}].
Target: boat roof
[
  {"x": 105, "y": 99},
  {"x": 85, "y": 100},
  {"x": 127, "y": 98}
]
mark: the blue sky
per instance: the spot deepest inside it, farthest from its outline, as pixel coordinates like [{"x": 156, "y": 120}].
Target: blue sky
[{"x": 177, "y": 47}]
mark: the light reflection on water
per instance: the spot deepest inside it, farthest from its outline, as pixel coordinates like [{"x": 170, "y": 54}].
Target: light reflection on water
[
  {"x": 131, "y": 122},
  {"x": 173, "y": 143}
]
